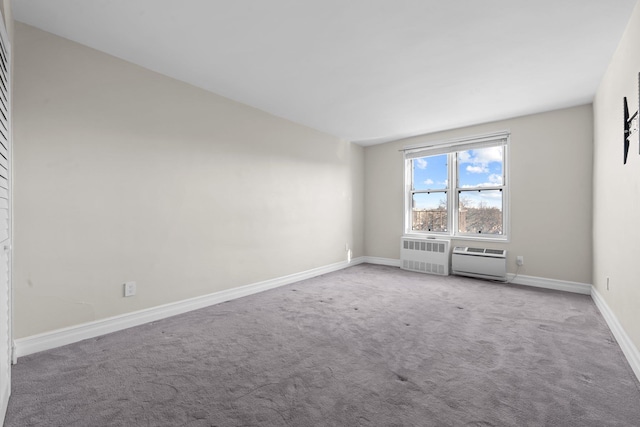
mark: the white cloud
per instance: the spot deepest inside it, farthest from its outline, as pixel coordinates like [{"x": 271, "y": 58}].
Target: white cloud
[
  {"x": 495, "y": 179},
  {"x": 477, "y": 169},
  {"x": 464, "y": 156},
  {"x": 420, "y": 163},
  {"x": 429, "y": 181},
  {"x": 480, "y": 185},
  {"x": 488, "y": 155},
  {"x": 479, "y": 159}
]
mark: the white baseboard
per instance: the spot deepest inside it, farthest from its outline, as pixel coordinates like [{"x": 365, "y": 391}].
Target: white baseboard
[
  {"x": 4, "y": 404},
  {"x": 626, "y": 345},
  {"x": 69, "y": 335},
  {"x": 382, "y": 261},
  {"x": 558, "y": 285}
]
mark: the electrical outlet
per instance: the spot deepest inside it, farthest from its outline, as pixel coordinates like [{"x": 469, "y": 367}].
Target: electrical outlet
[
  {"x": 520, "y": 260},
  {"x": 129, "y": 289}
]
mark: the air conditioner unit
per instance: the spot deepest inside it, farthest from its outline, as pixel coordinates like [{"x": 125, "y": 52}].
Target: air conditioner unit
[
  {"x": 479, "y": 262},
  {"x": 425, "y": 255}
]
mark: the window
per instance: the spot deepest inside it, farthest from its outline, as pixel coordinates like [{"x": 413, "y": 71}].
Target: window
[{"x": 458, "y": 189}]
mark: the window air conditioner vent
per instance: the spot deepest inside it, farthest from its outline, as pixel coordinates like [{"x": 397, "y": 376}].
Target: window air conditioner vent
[
  {"x": 479, "y": 262},
  {"x": 494, "y": 251}
]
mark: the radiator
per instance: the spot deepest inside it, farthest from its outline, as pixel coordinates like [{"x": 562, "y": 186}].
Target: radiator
[
  {"x": 479, "y": 262},
  {"x": 425, "y": 255}
]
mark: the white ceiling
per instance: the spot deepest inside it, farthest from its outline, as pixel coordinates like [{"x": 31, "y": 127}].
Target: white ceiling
[{"x": 367, "y": 71}]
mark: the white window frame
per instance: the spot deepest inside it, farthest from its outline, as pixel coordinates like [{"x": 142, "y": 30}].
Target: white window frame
[{"x": 451, "y": 148}]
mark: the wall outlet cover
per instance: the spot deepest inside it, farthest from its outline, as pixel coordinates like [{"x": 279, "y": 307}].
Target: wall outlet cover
[{"x": 129, "y": 289}]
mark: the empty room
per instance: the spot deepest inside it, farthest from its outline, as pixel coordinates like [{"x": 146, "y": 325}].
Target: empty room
[{"x": 319, "y": 213}]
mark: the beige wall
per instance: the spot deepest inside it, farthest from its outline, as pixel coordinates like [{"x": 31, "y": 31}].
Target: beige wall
[
  {"x": 550, "y": 162},
  {"x": 616, "y": 204},
  {"x": 124, "y": 174}
]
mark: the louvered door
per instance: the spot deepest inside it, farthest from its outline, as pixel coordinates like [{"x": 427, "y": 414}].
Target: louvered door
[{"x": 5, "y": 223}]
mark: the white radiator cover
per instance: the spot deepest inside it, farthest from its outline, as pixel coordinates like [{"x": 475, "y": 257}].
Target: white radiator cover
[
  {"x": 425, "y": 255},
  {"x": 479, "y": 262}
]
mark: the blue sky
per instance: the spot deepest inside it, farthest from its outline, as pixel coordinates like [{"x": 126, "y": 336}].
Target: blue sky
[{"x": 477, "y": 168}]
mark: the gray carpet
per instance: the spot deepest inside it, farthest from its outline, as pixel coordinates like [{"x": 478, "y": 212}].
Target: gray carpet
[{"x": 366, "y": 346}]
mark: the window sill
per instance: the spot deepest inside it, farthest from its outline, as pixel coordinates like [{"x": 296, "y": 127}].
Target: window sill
[{"x": 471, "y": 238}]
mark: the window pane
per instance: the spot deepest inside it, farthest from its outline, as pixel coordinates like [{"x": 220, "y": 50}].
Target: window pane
[
  {"x": 430, "y": 173},
  {"x": 480, "y": 212},
  {"x": 481, "y": 168},
  {"x": 429, "y": 212}
]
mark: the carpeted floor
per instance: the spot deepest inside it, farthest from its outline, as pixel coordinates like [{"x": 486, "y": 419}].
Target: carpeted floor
[{"x": 366, "y": 346}]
